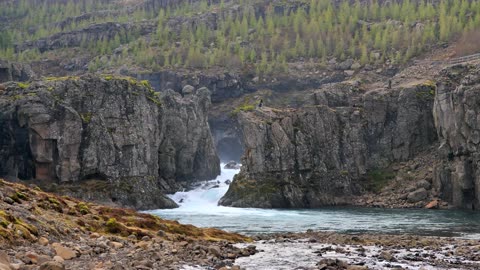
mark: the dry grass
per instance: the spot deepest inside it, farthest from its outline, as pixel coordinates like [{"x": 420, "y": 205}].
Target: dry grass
[{"x": 36, "y": 212}]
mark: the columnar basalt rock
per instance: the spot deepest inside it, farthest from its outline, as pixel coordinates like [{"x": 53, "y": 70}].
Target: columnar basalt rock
[
  {"x": 115, "y": 139},
  {"x": 457, "y": 176},
  {"x": 319, "y": 154}
]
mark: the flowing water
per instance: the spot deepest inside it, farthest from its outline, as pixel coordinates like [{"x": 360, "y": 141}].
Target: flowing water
[{"x": 199, "y": 207}]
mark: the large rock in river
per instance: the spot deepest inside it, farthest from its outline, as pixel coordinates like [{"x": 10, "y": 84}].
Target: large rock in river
[
  {"x": 109, "y": 139},
  {"x": 318, "y": 155}
]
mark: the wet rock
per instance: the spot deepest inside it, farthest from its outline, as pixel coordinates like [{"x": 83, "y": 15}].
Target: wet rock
[
  {"x": 417, "y": 195},
  {"x": 387, "y": 256},
  {"x": 357, "y": 267},
  {"x": 232, "y": 165},
  {"x": 228, "y": 182}
]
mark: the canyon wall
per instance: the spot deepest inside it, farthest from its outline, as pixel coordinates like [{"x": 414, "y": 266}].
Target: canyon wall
[
  {"x": 457, "y": 110},
  {"x": 317, "y": 155},
  {"x": 106, "y": 138}
]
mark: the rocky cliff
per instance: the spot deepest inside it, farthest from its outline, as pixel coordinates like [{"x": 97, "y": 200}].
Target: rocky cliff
[
  {"x": 457, "y": 176},
  {"x": 318, "y": 155},
  {"x": 106, "y": 138}
]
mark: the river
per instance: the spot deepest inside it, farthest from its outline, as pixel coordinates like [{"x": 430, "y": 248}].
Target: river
[{"x": 199, "y": 207}]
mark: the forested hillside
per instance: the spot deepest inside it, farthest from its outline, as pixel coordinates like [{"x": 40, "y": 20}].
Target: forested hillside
[{"x": 266, "y": 36}]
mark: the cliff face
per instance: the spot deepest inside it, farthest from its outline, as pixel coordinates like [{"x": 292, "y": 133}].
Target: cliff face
[
  {"x": 319, "y": 154},
  {"x": 456, "y": 111},
  {"x": 127, "y": 141}
]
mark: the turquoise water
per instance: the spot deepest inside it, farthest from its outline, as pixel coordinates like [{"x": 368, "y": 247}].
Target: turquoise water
[{"x": 199, "y": 207}]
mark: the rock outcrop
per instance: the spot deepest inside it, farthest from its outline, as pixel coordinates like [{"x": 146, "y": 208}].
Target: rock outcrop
[
  {"x": 15, "y": 72},
  {"x": 92, "y": 33},
  {"x": 318, "y": 155},
  {"x": 108, "y": 138},
  {"x": 457, "y": 176}
]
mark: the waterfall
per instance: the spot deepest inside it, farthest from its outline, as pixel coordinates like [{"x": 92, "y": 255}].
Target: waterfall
[{"x": 206, "y": 196}]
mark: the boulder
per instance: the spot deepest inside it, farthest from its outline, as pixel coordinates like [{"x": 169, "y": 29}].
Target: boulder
[
  {"x": 43, "y": 241},
  {"x": 417, "y": 195},
  {"x": 345, "y": 64},
  {"x": 424, "y": 184},
  {"x": 387, "y": 256},
  {"x": 215, "y": 251},
  {"x": 232, "y": 165},
  {"x": 432, "y": 205},
  {"x": 356, "y": 66},
  {"x": 64, "y": 252},
  {"x": 188, "y": 90},
  {"x": 349, "y": 72},
  {"x": 115, "y": 245}
]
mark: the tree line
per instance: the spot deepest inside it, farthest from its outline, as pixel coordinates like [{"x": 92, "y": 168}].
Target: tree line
[{"x": 267, "y": 41}]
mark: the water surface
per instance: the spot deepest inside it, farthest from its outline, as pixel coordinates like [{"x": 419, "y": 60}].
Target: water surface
[{"x": 199, "y": 207}]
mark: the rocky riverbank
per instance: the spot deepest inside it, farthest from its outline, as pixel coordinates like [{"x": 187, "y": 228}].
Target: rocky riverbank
[
  {"x": 39, "y": 230},
  {"x": 325, "y": 250}
]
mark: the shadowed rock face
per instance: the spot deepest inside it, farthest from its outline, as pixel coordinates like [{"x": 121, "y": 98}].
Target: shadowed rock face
[
  {"x": 15, "y": 72},
  {"x": 456, "y": 111},
  {"x": 318, "y": 155},
  {"x": 131, "y": 142}
]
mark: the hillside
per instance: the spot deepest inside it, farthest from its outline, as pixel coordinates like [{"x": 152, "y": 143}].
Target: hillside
[{"x": 254, "y": 37}]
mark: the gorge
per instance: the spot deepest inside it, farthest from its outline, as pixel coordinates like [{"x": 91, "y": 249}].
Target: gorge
[{"x": 239, "y": 135}]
